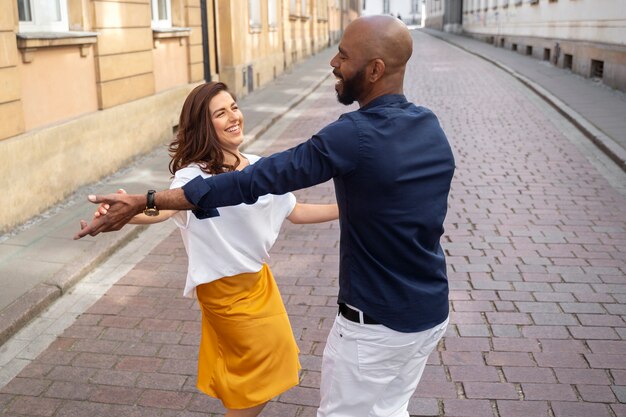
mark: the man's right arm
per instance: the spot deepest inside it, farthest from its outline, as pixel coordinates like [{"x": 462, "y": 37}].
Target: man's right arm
[
  {"x": 123, "y": 207},
  {"x": 334, "y": 151}
]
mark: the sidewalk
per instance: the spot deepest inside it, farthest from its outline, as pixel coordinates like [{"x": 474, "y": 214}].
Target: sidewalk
[
  {"x": 595, "y": 109},
  {"x": 40, "y": 262}
]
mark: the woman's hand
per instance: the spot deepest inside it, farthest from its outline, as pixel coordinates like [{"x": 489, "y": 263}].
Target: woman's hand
[{"x": 104, "y": 207}]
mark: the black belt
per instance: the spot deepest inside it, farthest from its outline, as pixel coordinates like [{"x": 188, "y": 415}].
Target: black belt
[{"x": 353, "y": 315}]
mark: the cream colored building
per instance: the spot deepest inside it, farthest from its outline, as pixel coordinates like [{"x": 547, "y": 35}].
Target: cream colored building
[
  {"x": 586, "y": 36},
  {"x": 88, "y": 85}
]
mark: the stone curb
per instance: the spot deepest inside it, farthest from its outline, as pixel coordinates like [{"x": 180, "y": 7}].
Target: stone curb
[
  {"x": 19, "y": 313},
  {"x": 600, "y": 139},
  {"x": 262, "y": 127}
]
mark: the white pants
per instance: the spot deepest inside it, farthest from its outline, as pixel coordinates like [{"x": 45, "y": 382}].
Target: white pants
[{"x": 371, "y": 370}]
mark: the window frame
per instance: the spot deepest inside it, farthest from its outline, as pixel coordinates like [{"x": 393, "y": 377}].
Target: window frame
[
  {"x": 304, "y": 6},
  {"x": 161, "y": 23},
  {"x": 272, "y": 12},
  {"x": 40, "y": 19}
]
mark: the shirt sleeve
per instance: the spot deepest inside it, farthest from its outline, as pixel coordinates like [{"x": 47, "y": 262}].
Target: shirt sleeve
[{"x": 332, "y": 152}]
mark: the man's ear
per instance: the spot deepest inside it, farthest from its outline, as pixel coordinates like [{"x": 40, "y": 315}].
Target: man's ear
[{"x": 377, "y": 70}]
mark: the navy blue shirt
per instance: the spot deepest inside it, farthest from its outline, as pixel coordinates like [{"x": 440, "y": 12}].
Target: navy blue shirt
[{"x": 392, "y": 167}]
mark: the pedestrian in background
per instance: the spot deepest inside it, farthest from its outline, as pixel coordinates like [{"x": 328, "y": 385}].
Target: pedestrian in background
[
  {"x": 248, "y": 354},
  {"x": 392, "y": 167}
]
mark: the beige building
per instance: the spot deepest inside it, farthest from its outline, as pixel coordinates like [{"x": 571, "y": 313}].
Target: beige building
[
  {"x": 586, "y": 36},
  {"x": 88, "y": 85}
]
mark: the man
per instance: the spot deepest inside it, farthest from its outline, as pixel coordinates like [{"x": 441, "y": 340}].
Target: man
[{"x": 392, "y": 167}]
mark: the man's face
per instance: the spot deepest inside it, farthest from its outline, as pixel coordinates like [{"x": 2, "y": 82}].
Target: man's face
[
  {"x": 350, "y": 89},
  {"x": 350, "y": 68}
]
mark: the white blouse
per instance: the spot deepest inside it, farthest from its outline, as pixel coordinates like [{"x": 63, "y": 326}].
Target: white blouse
[{"x": 235, "y": 242}]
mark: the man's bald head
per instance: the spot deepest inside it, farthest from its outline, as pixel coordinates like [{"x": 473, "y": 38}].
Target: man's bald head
[
  {"x": 372, "y": 58},
  {"x": 382, "y": 37}
]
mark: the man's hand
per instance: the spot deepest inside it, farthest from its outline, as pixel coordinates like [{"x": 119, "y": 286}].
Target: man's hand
[{"x": 122, "y": 208}]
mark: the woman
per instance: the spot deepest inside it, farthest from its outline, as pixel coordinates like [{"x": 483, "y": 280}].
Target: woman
[{"x": 248, "y": 353}]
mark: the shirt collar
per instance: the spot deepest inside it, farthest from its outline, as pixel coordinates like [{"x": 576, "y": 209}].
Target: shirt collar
[{"x": 384, "y": 100}]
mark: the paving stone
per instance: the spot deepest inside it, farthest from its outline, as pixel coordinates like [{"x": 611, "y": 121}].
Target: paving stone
[
  {"x": 490, "y": 390},
  {"x": 473, "y": 373},
  {"x": 596, "y": 393},
  {"x": 508, "y": 359},
  {"x": 582, "y": 376},
  {"x": 37, "y": 406},
  {"x": 528, "y": 374},
  {"x": 467, "y": 408},
  {"x": 522, "y": 408},
  {"x": 164, "y": 399},
  {"x": 575, "y": 409},
  {"x": 541, "y": 391},
  {"x": 560, "y": 360},
  {"x": 605, "y": 360}
]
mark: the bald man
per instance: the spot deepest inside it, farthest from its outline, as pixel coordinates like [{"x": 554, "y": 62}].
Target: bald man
[{"x": 392, "y": 167}]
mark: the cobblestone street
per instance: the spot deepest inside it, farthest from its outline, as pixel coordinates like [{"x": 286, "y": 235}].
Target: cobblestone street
[{"x": 536, "y": 245}]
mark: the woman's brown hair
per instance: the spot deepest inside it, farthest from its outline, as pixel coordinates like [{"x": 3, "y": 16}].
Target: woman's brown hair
[{"x": 196, "y": 140}]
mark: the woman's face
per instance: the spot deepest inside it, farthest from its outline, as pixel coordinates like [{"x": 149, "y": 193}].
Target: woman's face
[{"x": 227, "y": 120}]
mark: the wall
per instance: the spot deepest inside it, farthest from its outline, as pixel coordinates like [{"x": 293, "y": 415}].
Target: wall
[
  {"x": 585, "y": 31},
  {"x": 79, "y": 105},
  {"x": 11, "y": 110}
]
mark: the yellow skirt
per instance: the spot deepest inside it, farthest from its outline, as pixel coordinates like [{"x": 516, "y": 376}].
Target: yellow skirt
[{"x": 248, "y": 354}]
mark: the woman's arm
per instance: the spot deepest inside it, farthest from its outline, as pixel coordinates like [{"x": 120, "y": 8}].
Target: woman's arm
[
  {"x": 313, "y": 213},
  {"x": 143, "y": 219}
]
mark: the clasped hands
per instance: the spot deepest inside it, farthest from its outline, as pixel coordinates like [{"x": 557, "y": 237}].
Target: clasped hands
[{"x": 115, "y": 211}]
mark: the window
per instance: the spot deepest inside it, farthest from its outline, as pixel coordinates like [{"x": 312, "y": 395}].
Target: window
[
  {"x": 293, "y": 7},
  {"x": 254, "y": 9},
  {"x": 303, "y": 10},
  {"x": 272, "y": 16},
  {"x": 161, "y": 13},
  {"x": 415, "y": 6},
  {"x": 597, "y": 69},
  {"x": 42, "y": 15},
  {"x": 567, "y": 61},
  {"x": 322, "y": 10}
]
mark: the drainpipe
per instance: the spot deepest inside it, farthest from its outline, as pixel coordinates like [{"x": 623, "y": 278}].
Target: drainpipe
[{"x": 205, "y": 41}]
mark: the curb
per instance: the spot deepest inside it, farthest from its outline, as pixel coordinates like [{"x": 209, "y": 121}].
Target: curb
[
  {"x": 600, "y": 139},
  {"x": 26, "y": 307},
  {"x": 261, "y": 128}
]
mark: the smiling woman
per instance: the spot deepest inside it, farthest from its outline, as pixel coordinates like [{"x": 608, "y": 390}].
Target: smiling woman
[{"x": 247, "y": 354}]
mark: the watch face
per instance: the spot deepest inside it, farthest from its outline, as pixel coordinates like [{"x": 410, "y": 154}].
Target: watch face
[{"x": 151, "y": 212}]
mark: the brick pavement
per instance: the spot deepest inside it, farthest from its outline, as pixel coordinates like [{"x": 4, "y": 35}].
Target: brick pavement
[{"x": 536, "y": 244}]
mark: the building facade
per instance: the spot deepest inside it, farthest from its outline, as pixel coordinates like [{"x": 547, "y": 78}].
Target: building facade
[
  {"x": 586, "y": 36},
  {"x": 443, "y": 15},
  {"x": 410, "y": 11},
  {"x": 88, "y": 85}
]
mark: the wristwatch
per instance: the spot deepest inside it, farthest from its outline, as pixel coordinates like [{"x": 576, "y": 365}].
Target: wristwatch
[{"x": 151, "y": 209}]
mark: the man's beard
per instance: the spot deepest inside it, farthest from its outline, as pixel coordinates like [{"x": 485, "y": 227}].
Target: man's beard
[{"x": 352, "y": 88}]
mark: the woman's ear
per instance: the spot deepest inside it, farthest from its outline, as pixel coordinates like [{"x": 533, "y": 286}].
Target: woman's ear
[{"x": 377, "y": 70}]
